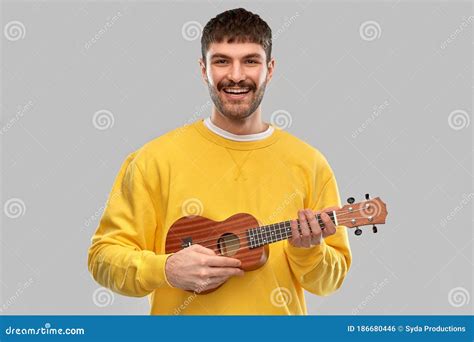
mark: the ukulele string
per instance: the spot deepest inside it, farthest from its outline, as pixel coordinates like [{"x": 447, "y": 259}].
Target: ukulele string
[
  {"x": 245, "y": 244},
  {"x": 240, "y": 236},
  {"x": 244, "y": 235}
]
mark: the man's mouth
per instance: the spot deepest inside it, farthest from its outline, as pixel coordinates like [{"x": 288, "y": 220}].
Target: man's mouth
[{"x": 236, "y": 93}]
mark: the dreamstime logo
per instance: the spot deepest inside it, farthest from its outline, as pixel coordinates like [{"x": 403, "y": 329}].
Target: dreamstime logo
[
  {"x": 281, "y": 297},
  {"x": 465, "y": 200},
  {"x": 14, "y": 30},
  {"x": 199, "y": 112},
  {"x": 12, "y": 299},
  {"x": 103, "y": 297},
  {"x": 281, "y": 119},
  {"x": 279, "y": 31},
  {"x": 460, "y": 29},
  {"x": 370, "y": 30},
  {"x": 458, "y": 119},
  {"x": 286, "y": 24},
  {"x": 191, "y": 30},
  {"x": 190, "y": 298},
  {"x": 21, "y": 111},
  {"x": 458, "y": 297},
  {"x": 107, "y": 26},
  {"x": 377, "y": 110},
  {"x": 285, "y": 203},
  {"x": 192, "y": 207},
  {"x": 14, "y": 208},
  {"x": 377, "y": 288},
  {"x": 103, "y": 119},
  {"x": 370, "y": 209}
]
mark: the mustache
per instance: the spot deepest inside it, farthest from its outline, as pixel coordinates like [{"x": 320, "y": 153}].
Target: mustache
[{"x": 251, "y": 86}]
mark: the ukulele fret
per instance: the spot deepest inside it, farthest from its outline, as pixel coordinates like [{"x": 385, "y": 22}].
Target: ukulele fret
[
  {"x": 249, "y": 237},
  {"x": 274, "y": 232}
]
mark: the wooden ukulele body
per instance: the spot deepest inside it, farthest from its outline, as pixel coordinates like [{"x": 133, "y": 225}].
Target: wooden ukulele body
[{"x": 228, "y": 238}]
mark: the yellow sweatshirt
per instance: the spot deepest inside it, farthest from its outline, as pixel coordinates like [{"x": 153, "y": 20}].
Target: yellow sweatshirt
[{"x": 193, "y": 171}]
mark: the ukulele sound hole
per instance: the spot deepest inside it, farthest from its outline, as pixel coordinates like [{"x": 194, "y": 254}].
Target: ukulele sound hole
[{"x": 228, "y": 244}]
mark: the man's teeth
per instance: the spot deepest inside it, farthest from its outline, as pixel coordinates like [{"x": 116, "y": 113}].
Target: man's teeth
[{"x": 236, "y": 90}]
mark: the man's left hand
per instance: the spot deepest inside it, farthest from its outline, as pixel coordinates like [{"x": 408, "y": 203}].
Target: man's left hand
[{"x": 311, "y": 233}]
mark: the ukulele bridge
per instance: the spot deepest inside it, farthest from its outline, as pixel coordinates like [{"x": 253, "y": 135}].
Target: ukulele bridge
[{"x": 187, "y": 242}]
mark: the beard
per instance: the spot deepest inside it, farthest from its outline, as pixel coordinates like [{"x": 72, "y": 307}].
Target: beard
[{"x": 237, "y": 109}]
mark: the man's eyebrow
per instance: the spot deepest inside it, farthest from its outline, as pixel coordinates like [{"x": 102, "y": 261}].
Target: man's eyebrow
[{"x": 251, "y": 55}]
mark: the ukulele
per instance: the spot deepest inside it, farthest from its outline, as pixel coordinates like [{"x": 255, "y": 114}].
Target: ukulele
[{"x": 241, "y": 237}]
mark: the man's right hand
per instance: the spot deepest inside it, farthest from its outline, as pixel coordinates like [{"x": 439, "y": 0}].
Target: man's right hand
[{"x": 199, "y": 269}]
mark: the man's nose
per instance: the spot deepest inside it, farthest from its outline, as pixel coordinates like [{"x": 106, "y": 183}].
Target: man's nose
[{"x": 237, "y": 73}]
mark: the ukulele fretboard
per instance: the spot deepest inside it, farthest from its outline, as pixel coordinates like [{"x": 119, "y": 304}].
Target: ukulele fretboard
[{"x": 274, "y": 232}]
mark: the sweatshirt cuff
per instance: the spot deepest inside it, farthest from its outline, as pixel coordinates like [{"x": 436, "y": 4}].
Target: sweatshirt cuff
[
  {"x": 308, "y": 256},
  {"x": 152, "y": 271}
]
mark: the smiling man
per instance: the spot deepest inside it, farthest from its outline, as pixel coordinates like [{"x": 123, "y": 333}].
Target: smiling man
[{"x": 230, "y": 162}]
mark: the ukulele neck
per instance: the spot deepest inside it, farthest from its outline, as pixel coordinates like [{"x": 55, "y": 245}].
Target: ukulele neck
[{"x": 274, "y": 232}]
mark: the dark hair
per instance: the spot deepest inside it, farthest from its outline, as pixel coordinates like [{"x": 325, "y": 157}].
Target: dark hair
[{"x": 237, "y": 25}]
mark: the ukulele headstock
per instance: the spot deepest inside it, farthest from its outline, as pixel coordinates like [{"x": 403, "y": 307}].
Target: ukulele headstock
[{"x": 372, "y": 211}]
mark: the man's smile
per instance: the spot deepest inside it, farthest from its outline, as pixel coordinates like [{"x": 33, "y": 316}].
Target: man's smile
[{"x": 236, "y": 93}]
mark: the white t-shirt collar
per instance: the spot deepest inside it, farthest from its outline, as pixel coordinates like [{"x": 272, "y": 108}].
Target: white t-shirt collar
[{"x": 238, "y": 137}]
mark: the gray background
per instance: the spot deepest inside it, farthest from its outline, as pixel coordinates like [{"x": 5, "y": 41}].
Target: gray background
[{"x": 391, "y": 112}]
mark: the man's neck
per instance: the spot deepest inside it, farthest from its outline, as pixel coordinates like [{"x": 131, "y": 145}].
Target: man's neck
[{"x": 251, "y": 125}]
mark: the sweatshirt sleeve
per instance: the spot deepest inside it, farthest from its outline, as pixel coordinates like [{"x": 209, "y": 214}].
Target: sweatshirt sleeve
[
  {"x": 121, "y": 255},
  {"x": 321, "y": 269}
]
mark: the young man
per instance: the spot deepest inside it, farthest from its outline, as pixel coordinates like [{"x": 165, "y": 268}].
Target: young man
[{"x": 228, "y": 163}]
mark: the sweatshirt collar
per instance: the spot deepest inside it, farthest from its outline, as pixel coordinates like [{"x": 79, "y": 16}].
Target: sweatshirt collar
[{"x": 254, "y": 141}]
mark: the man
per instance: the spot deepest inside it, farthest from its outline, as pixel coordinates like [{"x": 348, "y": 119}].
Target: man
[{"x": 231, "y": 162}]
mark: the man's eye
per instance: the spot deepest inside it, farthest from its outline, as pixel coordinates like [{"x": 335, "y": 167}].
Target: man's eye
[
  {"x": 251, "y": 61},
  {"x": 220, "y": 61}
]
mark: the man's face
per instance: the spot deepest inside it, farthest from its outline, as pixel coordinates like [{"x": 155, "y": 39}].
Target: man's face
[{"x": 236, "y": 75}]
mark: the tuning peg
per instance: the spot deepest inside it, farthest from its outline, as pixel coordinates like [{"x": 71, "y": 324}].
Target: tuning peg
[
  {"x": 367, "y": 196},
  {"x": 374, "y": 229},
  {"x": 358, "y": 231},
  {"x": 350, "y": 200}
]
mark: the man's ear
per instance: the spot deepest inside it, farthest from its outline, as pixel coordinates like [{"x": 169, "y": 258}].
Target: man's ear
[
  {"x": 270, "y": 69},
  {"x": 202, "y": 66}
]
